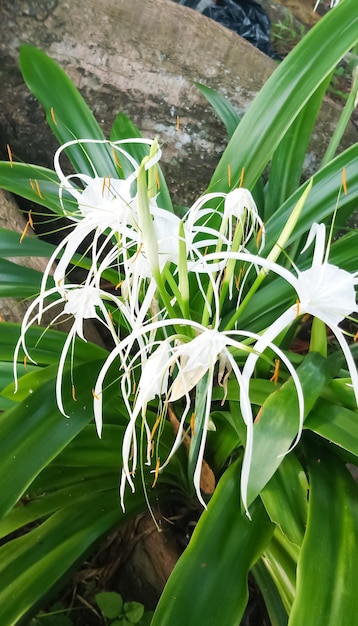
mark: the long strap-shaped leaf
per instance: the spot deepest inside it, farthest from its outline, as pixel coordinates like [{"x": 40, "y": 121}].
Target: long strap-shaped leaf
[
  {"x": 284, "y": 95},
  {"x": 34, "y": 432},
  {"x": 35, "y": 562},
  {"x": 66, "y": 112},
  {"x": 277, "y": 427},
  {"x": 327, "y": 570},
  {"x": 209, "y": 583}
]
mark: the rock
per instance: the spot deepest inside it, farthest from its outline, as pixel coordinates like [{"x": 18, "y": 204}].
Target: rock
[{"x": 142, "y": 58}]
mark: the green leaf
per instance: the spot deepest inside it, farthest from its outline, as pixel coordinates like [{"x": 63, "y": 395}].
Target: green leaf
[
  {"x": 32, "y": 508},
  {"x": 223, "y": 107},
  {"x": 10, "y": 245},
  {"x": 328, "y": 564},
  {"x": 285, "y": 499},
  {"x": 33, "y": 563},
  {"x": 133, "y": 611},
  {"x": 35, "y": 183},
  {"x": 288, "y": 159},
  {"x": 285, "y": 94},
  {"x": 335, "y": 423},
  {"x": 280, "y": 559},
  {"x": 66, "y": 112},
  {"x": 272, "y": 598},
  {"x": 44, "y": 345},
  {"x": 225, "y": 537},
  {"x": 18, "y": 281},
  {"x": 110, "y": 603},
  {"x": 322, "y": 199},
  {"x": 25, "y": 429},
  {"x": 278, "y": 423}
]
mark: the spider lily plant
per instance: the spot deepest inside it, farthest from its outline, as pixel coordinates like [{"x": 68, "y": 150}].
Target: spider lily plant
[{"x": 229, "y": 351}]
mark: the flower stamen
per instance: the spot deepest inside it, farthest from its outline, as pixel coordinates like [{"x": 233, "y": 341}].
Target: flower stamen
[{"x": 274, "y": 377}]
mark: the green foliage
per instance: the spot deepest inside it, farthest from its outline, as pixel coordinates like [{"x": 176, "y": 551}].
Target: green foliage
[
  {"x": 113, "y": 607},
  {"x": 59, "y": 482}
]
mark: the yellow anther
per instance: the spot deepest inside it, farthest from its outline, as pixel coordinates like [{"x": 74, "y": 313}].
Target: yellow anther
[
  {"x": 192, "y": 424},
  {"x": 138, "y": 252},
  {"x": 156, "y": 472},
  {"x": 52, "y": 111},
  {"x": 274, "y": 377},
  {"x": 95, "y": 395},
  {"x": 297, "y": 308},
  {"x": 115, "y": 156},
  {"x": 28, "y": 223},
  {"x": 9, "y": 153},
  {"x": 259, "y": 236},
  {"x": 229, "y": 174},
  {"x": 106, "y": 183},
  {"x": 157, "y": 422},
  {"x": 242, "y": 177},
  {"x": 344, "y": 181},
  {"x": 157, "y": 180},
  {"x": 74, "y": 393},
  {"x": 36, "y": 187}
]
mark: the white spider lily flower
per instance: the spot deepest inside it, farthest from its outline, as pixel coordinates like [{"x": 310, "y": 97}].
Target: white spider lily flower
[
  {"x": 239, "y": 204},
  {"x": 324, "y": 291},
  {"x": 187, "y": 362},
  {"x": 228, "y": 227},
  {"x": 137, "y": 267},
  {"x": 80, "y": 301},
  {"x": 104, "y": 205},
  {"x": 238, "y": 208}
]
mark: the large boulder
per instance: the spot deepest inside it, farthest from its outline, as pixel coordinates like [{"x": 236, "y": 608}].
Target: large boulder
[{"x": 142, "y": 58}]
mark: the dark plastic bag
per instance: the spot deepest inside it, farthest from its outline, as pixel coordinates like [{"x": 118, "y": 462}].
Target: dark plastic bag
[{"x": 246, "y": 17}]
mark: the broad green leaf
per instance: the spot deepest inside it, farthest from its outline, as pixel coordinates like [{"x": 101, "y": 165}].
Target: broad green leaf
[
  {"x": 18, "y": 281},
  {"x": 272, "y": 598},
  {"x": 44, "y": 345},
  {"x": 222, "y": 106},
  {"x": 285, "y": 499},
  {"x": 280, "y": 559},
  {"x": 327, "y": 570},
  {"x": 222, "y": 442},
  {"x": 215, "y": 565},
  {"x": 7, "y": 380},
  {"x": 322, "y": 199},
  {"x": 66, "y": 112},
  {"x": 10, "y": 245},
  {"x": 284, "y": 95},
  {"x": 288, "y": 159},
  {"x": 34, "y": 432},
  {"x": 277, "y": 427},
  {"x": 335, "y": 423},
  {"x": 32, "y": 564},
  {"x": 35, "y": 183},
  {"x": 32, "y": 508}
]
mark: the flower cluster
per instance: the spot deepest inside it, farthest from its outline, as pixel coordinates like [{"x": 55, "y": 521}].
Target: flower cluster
[{"x": 173, "y": 281}]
